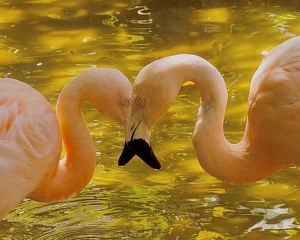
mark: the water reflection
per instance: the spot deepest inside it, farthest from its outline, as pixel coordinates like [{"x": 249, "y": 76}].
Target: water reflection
[
  {"x": 277, "y": 218},
  {"x": 46, "y": 43}
]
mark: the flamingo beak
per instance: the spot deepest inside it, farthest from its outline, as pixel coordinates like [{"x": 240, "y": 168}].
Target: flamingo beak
[
  {"x": 137, "y": 143},
  {"x": 140, "y": 148}
]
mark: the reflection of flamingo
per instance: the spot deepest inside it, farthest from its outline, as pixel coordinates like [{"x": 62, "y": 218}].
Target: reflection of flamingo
[
  {"x": 31, "y": 135},
  {"x": 278, "y": 218},
  {"x": 272, "y": 135}
]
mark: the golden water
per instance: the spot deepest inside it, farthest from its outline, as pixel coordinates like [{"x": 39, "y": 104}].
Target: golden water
[{"x": 46, "y": 43}]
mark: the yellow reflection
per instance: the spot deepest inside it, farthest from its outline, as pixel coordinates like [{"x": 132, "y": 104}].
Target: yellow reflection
[
  {"x": 67, "y": 39},
  {"x": 209, "y": 235},
  {"x": 134, "y": 38},
  {"x": 53, "y": 15},
  {"x": 162, "y": 178},
  {"x": 274, "y": 190},
  {"x": 220, "y": 211},
  {"x": 214, "y": 15},
  {"x": 10, "y": 16},
  {"x": 188, "y": 83}
]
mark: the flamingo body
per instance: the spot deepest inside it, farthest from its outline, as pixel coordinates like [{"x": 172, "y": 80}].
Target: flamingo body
[
  {"x": 31, "y": 136},
  {"x": 272, "y": 134}
]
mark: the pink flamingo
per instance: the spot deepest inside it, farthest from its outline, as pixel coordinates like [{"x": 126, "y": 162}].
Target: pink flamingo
[
  {"x": 31, "y": 136},
  {"x": 272, "y": 135}
]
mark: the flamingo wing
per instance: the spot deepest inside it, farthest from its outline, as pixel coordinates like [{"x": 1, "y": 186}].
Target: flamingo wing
[
  {"x": 274, "y": 102},
  {"x": 29, "y": 139}
]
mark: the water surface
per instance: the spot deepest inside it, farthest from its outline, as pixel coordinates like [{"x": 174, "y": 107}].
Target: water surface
[{"x": 46, "y": 43}]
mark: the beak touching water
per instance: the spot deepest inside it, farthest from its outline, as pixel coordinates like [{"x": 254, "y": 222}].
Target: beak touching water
[{"x": 137, "y": 143}]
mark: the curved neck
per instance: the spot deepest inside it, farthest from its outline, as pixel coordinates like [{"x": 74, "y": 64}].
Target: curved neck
[
  {"x": 72, "y": 173},
  {"x": 80, "y": 158},
  {"x": 236, "y": 163}
]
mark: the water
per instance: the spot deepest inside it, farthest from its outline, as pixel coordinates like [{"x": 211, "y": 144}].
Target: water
[{"x": 46, "y": 43}]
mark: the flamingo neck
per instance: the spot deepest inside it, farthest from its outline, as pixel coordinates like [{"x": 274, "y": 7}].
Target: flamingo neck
[
  {"x": 67, "y": 178},
  {"x": 236, "y": 163}
]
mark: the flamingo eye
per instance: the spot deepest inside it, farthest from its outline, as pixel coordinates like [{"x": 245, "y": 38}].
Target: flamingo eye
[
  {"x": 141, "y": 102},
  {"x": 126, "y": 101}
]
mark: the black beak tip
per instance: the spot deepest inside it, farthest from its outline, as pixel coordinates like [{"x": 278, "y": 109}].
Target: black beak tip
[
  {"x": 140, "y": 148},
  {"x": 156, "y": 166},
  {"x": 126, "y": 155},
  {"x": 144, "y": 151}
]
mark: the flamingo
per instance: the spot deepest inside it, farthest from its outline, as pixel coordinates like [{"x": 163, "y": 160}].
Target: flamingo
[
  {"x": 272, "y": 133},
  {"x": 31, "y": 136}
]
